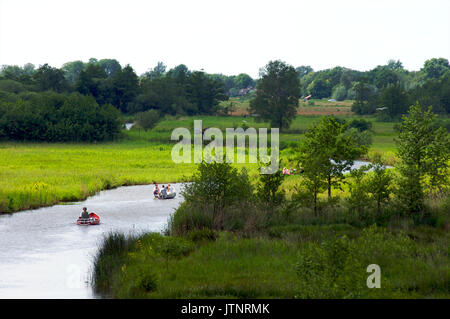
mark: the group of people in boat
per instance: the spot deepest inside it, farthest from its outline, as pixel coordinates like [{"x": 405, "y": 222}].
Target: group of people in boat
[{"x": 164, "y": 191}]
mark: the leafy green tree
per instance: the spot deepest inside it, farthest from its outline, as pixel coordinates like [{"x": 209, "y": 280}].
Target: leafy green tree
[
  {"x": 363, "y": 93},
  {"x": 90, "y": 81},
  {"x": 111, "y": 66},
  {"x": 204, "y": 92},
  {"x": 339, "y": 92},
  {"x": 277, "y": 94},
  {"x": 379, "y": 183},
  {"x": 125, "y": 85},
  {"x": 49, "y": 78},
  {"x": 327, "y": 151},
  {"x": 320, "y": 88},
  {"x": 243, "y": 81},
  {"x": 383, "y": 76},
  {"x": 218, "y": 185},
  {"x": 435, "y": 68},
  {"x": 180, "y": 74},
  {"x": 72, "y": 70},
  {"x": 395, "y": 99},
  {"x": 424, "y": 152}
]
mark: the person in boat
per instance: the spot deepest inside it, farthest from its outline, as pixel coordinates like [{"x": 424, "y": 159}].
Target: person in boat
[
  {"x": 163, "y": 192},
  {"x": 156, "y": 190},
  {"x": 169, "y": 189},
  {"x": 84, "y": 214}
]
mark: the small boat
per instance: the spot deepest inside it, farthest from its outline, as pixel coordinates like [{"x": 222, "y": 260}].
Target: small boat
[
  {"x": 168, "y": 196},
  {"x": 94, "y": 219}
]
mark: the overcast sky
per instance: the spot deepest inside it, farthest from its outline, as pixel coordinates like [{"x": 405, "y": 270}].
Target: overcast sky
[{"x": 228, "y": 37}]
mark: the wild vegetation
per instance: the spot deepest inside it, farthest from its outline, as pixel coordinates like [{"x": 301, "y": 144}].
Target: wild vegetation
[{"x": 232, "y": 238}]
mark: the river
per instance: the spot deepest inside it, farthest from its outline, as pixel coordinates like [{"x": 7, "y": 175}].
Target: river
[{"x": 44, "y": 254}]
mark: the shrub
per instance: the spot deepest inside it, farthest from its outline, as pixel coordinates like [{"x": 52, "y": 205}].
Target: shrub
[
  {"x": 337, "y": 267},
  {"x": 339, "y": 92}
]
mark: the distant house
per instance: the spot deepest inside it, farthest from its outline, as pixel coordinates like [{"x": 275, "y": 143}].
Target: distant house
[{"x": 245, "y": 91}]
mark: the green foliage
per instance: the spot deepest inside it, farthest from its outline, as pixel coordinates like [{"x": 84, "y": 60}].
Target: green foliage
[
  {"x": 268, "y": 189},
  {"x": 360, "y": 124},
  {"x": 337, "y": 267},
  {"x": 424, "y": 150},
  {"x": 339, "y": 92},
  {"x": 148, "y": 119},
  {"x": 327, "y": 151},
  {"x": 52, "y": 117},
  {"x": 395, "y": 99},
  {"x": 277, "y": 94},
  {"x": 436, "y": 67},
  {"x": 379, "y": 183},
  {"x": 219, "y": 185},
  {"x": 201, "y": 235}
]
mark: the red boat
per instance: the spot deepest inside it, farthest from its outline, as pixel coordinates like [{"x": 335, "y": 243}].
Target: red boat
[{"x": 94, "y": 219}]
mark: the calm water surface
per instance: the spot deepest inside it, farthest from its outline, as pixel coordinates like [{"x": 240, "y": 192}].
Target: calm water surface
[{"x": 44, "y": 254}]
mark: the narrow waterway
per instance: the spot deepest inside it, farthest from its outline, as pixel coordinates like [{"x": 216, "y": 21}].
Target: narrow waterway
[{"x": 44, "y": 254}]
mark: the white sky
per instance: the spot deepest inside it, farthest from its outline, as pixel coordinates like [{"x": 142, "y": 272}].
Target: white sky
[{"x": 229, "y": 37}]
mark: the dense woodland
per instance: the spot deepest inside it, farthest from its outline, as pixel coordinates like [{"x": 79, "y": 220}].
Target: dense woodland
[{"x": 83, "y": 101}]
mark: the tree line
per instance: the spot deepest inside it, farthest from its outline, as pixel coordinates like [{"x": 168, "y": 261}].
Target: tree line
[{"x": 387, "y": 90}]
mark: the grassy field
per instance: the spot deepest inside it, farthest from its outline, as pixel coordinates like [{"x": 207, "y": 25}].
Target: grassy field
[
  {"x": 302, "y": 261},
  {"x": 41, "y": 174}
]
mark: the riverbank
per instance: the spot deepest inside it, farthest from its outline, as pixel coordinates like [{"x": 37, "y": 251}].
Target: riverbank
[{"x": 290, "y": 261}]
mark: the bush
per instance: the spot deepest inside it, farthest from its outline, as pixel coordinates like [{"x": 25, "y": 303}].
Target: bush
[
  {"x": 339, "y": 92},
  {"x": 147, "y": 120},
  {"x": 337, "y": 267}
]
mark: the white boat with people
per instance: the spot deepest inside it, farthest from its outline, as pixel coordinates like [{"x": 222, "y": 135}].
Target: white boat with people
[{"x": 164, "y": 192}]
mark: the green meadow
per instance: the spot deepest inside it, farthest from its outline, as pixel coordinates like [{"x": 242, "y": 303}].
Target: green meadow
[{"x": 41, "y": 174}]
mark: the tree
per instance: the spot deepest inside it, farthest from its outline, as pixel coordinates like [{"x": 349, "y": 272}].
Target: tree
[
  {"x": 147, "y": 120},
  {"x": 90, "y": 81},
  {"x": 268, "y": 189},
  {"x": 218, "y": 185},
  {"x": 111, "y": 66},
  {"x": 277, "y": 94},
  {"x": 125, "y": 85},
  {"x": 327, "y": 151},
  {"x": 72, "y": 70},
  {"x": 395, "y": 99},
  {"x": 205, "y": 92},
  {"x": 49, "y": 78},
  {"x": 363, "y": 93},
  {"x": 243, "y": 81},
  {"x": 339, "y": 92},
  {"x": 424, "y": 152},
  {"x": 435, "y": 68},
  {"x": 379, "y": 183}
]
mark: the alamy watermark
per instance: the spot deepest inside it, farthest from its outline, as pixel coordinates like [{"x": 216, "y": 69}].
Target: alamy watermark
[
  {"x": 374, "y": 279},
  {"x": 214, "y": 151}
]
